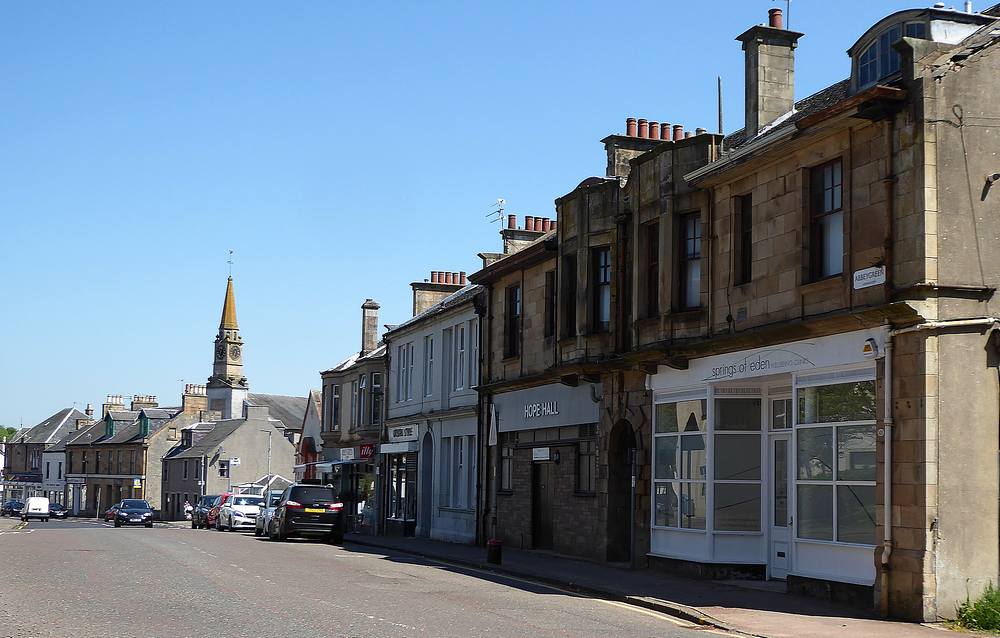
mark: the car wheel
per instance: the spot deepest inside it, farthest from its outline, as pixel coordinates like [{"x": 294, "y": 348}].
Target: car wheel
[
  {"x": 118, "y": 523},
  {"x": 149, "y": 524},
  {"x": 194, "y": 525},
  {"x": 45, "y": 520},
  {"x": 335, "y": 539}
]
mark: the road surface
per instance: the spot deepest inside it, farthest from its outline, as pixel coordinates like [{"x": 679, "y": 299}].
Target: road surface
[{"x": 86, "y": 578}]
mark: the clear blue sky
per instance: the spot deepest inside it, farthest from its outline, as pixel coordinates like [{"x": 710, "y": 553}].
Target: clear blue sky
[{"x": 343, "y": 149}]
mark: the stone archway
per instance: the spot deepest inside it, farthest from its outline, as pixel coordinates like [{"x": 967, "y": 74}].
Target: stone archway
[{"x": 621, "y": 495}]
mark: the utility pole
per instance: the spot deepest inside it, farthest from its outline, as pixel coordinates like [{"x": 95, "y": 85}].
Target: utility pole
[{"x": 269, "y": 433}]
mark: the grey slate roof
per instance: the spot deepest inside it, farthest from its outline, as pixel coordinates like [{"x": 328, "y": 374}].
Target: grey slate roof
[
  {"x": 88, "y": 434},
  {"x": 53, "y": 428},
  {"x": 208, "y": 443},
  {"x": 816, "y": 102},
  {"x": 356, "y": 358},
  {"x": 457, "y": 298},
  {"x": 288, "y": 410}
]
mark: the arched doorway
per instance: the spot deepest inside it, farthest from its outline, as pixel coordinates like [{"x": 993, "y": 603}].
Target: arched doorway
[
  {"x": 425, "y": 506},
  {"x": 621, "y": 495}
]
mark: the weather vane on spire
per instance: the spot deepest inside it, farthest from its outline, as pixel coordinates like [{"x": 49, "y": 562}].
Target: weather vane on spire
[{"x": 230, "y": 262}]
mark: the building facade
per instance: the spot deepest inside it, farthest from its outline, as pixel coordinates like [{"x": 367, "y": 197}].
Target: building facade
[
  {"x": 431, "y": 441},
  {"x": 23, "y": 470},
  {"x": 353, "y": 414}
]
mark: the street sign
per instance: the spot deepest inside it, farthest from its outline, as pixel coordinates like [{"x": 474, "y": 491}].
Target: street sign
[
  {"x": 136, "y": 483},
  {"x": 235, "y": 461}
]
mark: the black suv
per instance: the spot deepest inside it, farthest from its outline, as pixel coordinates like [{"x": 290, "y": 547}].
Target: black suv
[
  {"x": 308, "y": 510},
  {"x": 12, "y": 508},
  {"x": 199, "y": 515}
]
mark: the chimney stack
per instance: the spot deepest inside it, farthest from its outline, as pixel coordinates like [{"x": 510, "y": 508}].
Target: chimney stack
[
  {"x": 113, "y": 402},
  {"x": 769, "y": 54},
  {"x": 427, "y": 293},
  {"x": 141, "y": 401},
  {"x": 89, "y": 411},
  {"x": 195, "y": 398},
  {"x": 369, "y": 325}
]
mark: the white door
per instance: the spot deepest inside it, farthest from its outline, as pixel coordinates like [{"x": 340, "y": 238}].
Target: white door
[{"x": 780, "y": 558}]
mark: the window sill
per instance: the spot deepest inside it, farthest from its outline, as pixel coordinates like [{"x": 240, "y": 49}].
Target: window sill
[
  {"x": 688, "y": 313},
  {"x": 823, "y": 285}
]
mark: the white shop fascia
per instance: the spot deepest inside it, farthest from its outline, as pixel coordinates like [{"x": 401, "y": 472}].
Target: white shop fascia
[{"x": 767, "y": 457}]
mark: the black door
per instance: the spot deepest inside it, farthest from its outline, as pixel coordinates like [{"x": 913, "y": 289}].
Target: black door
[
  {"x": 621, "y": 467},
  {"x": 541, "y": 505}
]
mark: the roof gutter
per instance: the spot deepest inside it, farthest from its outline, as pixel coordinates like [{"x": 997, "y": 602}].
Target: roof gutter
[{"x": 749, "y": 149}]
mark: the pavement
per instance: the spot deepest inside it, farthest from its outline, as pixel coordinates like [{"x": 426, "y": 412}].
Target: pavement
[
  {"x": 750, "y": 608},
  {"x": 171, "y": 580}
]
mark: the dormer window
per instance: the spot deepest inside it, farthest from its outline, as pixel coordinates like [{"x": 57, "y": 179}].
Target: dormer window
[{"x": 879, "y": 60}]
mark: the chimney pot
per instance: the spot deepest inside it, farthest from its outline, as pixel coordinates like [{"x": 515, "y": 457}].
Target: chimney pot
[
  {"x": 643, "y": 127},
  {"x": 552, "y": 226},
  {"x": 548, "y": 224},
  {"x": 447, "y": 277},
  {"x": 529, "y": 222},
  {"x": 700, "y": 131},
  {"x": 665, "y": 131},
  {"x": 512, "y": 221},
  {"x": 775, "y": 18},
  {"x": 461, "y": 277},
  {"x": 688, "y": 134},
  {"x": 434, "y": 277},
  {"x": 678, "y": 132},
  {"x": 630, "y": 127},
  {"x": 654, "y": 130}
]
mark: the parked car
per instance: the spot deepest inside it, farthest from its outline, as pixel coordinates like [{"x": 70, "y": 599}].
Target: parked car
[
  {"x": 199, "y": 516},
  {"x": 134, "y": 511},
  {"x": 308, "y": 510},
  {"x": 111, "y": 512},
  {"x": 212, "y": 517},
  {"x": 240, "y": 511},
  {"x": 12, "y": 508},
  {"x": 261, "y": 527},
  {"x": 36, "y": 507},
  {"x": 57, "y": 510}
]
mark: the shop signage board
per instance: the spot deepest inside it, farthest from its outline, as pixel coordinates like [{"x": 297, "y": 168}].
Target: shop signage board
[
  {"x": 782, "y": 358},
  {"x": 367, "y": 450},
  {"x": 540, "y": 454},
  {"x": 346, "y": 454},
  {"x": 546, "y": 406},
  {"x": 398, "y": 433},
  {"x": 234, "y": 462},
  {"x": 136, "y": 483}
]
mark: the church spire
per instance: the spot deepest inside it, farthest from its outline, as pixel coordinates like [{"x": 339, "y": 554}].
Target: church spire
[{"x": 229, "y": 309}]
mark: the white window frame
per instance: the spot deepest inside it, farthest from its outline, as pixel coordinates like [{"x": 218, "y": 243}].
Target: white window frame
[
  {"x": 458, "y": 365},
  {"x": 803, "y": 381},
  {"x": 409, "y": 371},
  {"x": 428, "y": 365},
  {"x": 474, "y": 362}
]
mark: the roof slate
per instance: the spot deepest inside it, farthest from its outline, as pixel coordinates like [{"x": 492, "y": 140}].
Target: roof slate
[
  {"x": 288, "y": 410},
  {"x": 456, "y": 298},
  {"x": 53, "y": 428},
  {"x": 208, "y": 443}
]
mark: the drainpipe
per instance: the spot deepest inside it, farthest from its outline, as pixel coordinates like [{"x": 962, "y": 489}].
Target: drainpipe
[{"x": 886, "y": 477}]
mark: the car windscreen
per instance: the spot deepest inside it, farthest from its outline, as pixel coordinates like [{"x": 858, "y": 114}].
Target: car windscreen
[
  {"x": 134, "y": 504},
  {"x": 309, "y": 495},
  {"x": 248, "y": 500},
  {"x": 208, "y": 500}
]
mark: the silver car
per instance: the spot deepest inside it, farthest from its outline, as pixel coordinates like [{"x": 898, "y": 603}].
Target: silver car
[{"x": 266, "y": 513}]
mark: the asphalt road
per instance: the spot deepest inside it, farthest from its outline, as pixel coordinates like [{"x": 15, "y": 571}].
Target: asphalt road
[{"x": 82, "y": 578}]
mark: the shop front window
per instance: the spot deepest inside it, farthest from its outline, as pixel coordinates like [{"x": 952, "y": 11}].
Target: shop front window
[
  {"x": 680, "y": 464},
  {"x": 737, "y": 505},
  {"x": 835, "y": 473}
]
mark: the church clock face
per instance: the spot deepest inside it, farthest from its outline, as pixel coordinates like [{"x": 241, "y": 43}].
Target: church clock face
[
  {"x": 234, "y": 352},
  {"x": 220, "y": 352}
]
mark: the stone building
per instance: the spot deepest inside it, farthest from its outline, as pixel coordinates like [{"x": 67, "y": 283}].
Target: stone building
[
  {"x": 353, "y": 414},
  {"x": 119, "y": 456},
  {"x": 775, "y": 323},
  {"x": 23, "y": 461},
  {"x": 430, "y": 449},
  {"x": 214, "y": 458}
]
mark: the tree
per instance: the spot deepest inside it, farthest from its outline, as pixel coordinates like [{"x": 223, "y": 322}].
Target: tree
[{"x": 6, "y": 433}]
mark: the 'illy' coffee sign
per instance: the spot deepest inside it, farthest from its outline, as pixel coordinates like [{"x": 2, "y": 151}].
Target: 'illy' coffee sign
[{"x": 399, "y": 433}]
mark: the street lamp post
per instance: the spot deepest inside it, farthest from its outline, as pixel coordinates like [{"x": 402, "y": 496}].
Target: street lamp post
[{"x": 267, "y": 484}]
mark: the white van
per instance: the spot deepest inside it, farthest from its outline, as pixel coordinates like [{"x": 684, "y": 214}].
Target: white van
[{"x": 36, "y": 507}]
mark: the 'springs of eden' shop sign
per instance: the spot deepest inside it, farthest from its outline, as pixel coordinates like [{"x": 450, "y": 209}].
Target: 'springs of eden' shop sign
[{"x": 543, "y": 408}]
